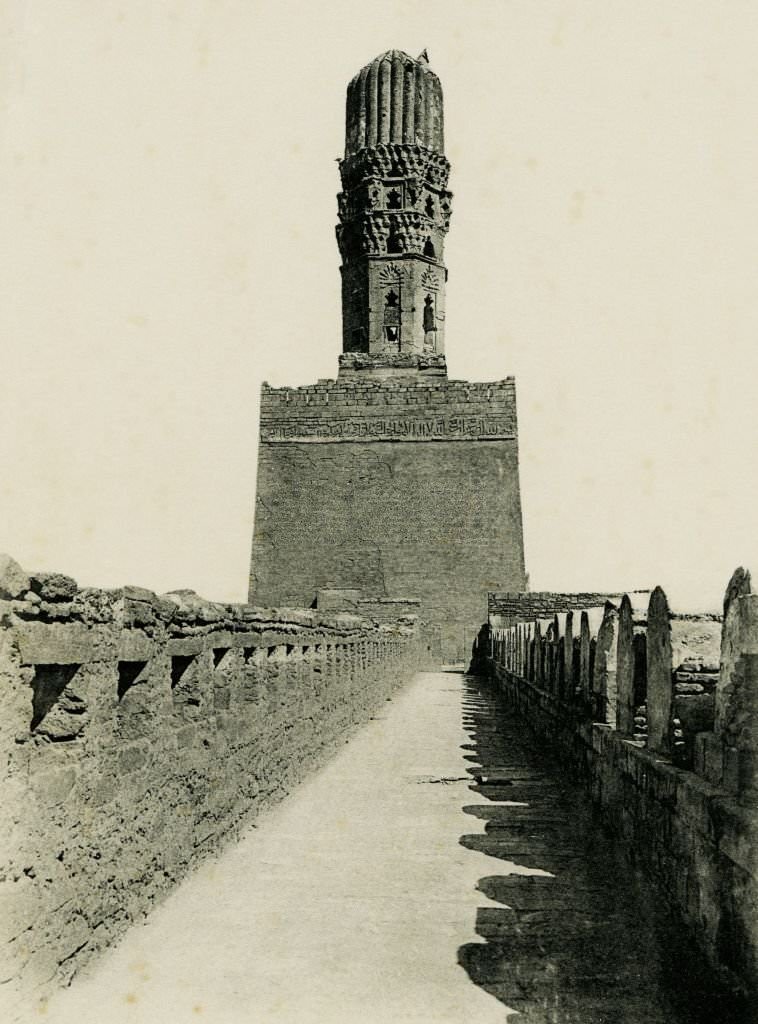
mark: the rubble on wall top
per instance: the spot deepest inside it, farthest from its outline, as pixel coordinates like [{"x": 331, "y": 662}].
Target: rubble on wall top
[{"x": 53, "y": 598}]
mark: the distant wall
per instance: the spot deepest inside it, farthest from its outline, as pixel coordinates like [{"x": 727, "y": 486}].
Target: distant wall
[
  {"x": 506, "y": 609},
  {"x": 392, "y": 488},
  {"x": 660, "y": 713},
  {"x": 139, "y": 732}
]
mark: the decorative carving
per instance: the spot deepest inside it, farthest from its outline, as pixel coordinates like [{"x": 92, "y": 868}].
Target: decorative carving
[
  {"x": 394, "y": 206},
  {"x": 400, "y": 160},
  {"x": 429, "y": 280},
  {"x": 390, "y": 273},
  {"x": 369, "y": 234},
  {"x": 392, "y": 309},
  {"x": 443, "y": 427}
]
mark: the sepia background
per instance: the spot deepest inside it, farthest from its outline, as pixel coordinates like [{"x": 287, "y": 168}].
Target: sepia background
[{"x": 168, "y": 210}]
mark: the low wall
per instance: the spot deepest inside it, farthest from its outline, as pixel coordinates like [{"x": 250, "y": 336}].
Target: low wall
[
  {"x": 140, "y": 732},
  {"x": 633, "y": 699},
  {"x": 507, "y": 608}
]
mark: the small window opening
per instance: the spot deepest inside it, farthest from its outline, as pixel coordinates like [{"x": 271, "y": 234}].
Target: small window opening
[
  {"x": 392, "y": 316},
  {"x": 393, "y": 200},
  {"x": 429, "y": 248},
  {"x": 248, "y": 652},
  {"x": 47, "y": 687},
  {"x": 128, "y": 674},
  {"x": 393, "y": 244},
  {"x": 429, "y": 324},
  {"x": 429, "y": 206},
  {"x": 179, "y": 665}
]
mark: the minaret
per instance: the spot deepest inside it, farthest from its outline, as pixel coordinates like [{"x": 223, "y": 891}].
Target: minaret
[
  {"x": 394, "y": 213},
  {"x": 391, "y": 484}
]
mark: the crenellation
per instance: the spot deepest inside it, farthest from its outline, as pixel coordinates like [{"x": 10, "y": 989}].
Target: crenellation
[
  {"x": 673, "y": 780},
  {"x": 134, "y": 693}
]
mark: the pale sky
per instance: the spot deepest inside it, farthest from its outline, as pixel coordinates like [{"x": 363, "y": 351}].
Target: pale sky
[{"x": 168, "y": 210}]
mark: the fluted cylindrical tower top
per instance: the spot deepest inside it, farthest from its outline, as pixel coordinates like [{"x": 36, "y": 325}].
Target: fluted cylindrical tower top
[{"x": 394, "y": 99}]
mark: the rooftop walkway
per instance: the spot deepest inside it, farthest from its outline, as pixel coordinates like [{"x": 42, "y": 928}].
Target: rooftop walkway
[{"x": 437, "y": 871}]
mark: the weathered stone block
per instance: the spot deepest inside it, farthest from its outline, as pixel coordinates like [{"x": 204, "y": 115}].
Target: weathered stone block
[
  {"x": 53, "y": 586},
  {"x": 56, "y": 644},
  {"x": 14, "y": 582},
  {"x": 104, "y": 790},
  {"x": 138, "y": 613},
  {"x": 53, "y": 787},
  {"x": 135, "y": 645},
  {"x": 185, "y": 646},
  {"x": 132, "y": 757}
]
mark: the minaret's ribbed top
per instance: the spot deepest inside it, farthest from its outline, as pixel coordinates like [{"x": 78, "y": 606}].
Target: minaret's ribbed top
[{"x": 394, "y": 99}]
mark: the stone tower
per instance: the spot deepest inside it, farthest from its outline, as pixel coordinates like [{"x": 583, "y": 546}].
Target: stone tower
[
  {"x": 394, "y": 213},
  {"x": 391, "y": 482}
]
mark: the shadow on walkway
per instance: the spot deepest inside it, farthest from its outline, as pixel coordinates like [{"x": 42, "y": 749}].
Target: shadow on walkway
[{"x": 580, "y": 938}]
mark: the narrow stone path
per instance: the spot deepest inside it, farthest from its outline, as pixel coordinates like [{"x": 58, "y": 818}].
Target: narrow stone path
[
  {"x": 435, "y": 871},
  {"x": 348, "y": 902}
]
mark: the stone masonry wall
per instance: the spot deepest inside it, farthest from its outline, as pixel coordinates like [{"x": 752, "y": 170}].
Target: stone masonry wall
[
  {"x": 393, "y": 488},
  {"x": 140, "y": 732},
  {"x": 405, "y": 408},
  {"x": 506, "y": 609},
  {"x": 659, "y": 712}
]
